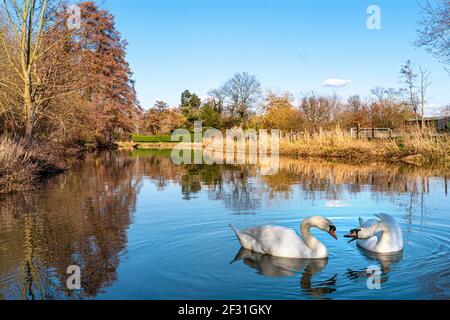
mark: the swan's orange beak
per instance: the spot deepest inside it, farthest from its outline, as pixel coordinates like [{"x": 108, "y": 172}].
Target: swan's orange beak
[
  {"x": 333, "y": 234},
  {"x": 332, "y": 229}
]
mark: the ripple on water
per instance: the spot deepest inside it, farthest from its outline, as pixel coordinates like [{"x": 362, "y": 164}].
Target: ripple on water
[{"x": 161, "y": 231}]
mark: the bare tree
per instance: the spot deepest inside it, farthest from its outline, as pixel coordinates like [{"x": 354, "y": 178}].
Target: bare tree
[
  {"x": 319, "y": 111},
  {"x": 218, "y": 97},
  {"x": 387, "y": 109},
  {"x": 28, "y": 39},
  {"x": 445, "y": 110},
  {"x": 408, "y": 78},
  {"x": 424, "y": 83},
  {"x": 241, "y": 91},
  {"x": 27, "y": 22},
  {"x": 434, "y": 31}
]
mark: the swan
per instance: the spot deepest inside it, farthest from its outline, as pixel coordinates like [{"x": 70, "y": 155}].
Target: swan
[
  {"x": 284, "y": 242},
  {"x": 382, "y": 235}
]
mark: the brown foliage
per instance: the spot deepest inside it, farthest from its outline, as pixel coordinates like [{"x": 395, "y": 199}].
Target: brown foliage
[
  {"x": 106, "y": 86},
  {"x": 22, "y": 162},
  {"x": 79, "y": 86},
  {"x": 17, "y": 170},
  {"x": 319, "y": 111},
  {"x": 280, "y": 113},
  {"x": 163, "y": 121}
]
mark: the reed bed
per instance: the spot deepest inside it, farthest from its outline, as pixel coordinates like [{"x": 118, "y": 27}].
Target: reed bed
[
  {"x": 17, "y": 170},
  {"x": 413, "y": 146},
  {"x": 22, "y": 164}
]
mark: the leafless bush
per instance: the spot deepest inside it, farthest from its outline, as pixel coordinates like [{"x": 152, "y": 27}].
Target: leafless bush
[
  {"x": 17, "y": 170},
  {"x": 21, "y": 163}
]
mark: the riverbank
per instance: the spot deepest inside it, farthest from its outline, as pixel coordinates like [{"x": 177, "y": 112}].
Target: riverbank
[
  {"x": 414, "y": 147},
  {"x": 23, "y": 164}
]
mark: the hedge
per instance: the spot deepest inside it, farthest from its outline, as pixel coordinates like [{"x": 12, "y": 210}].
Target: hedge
[{"x": 141, "y": 138}]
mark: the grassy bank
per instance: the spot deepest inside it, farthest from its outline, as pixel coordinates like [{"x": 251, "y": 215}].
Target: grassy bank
[
  {"x": 150, "y": 139},
  {"x": 23, "y": 164},
  {"x": 413, "y": 147}
]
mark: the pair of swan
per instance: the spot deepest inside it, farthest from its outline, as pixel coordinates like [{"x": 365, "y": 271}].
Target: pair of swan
[{"x": 382, "y": 236}]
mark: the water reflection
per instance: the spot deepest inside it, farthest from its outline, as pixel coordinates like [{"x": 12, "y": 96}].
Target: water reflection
[
  {"x": 385, "y": 261},
  {"x": 243, "y": 190},
  {"x": 79, "y": 219},
  {"x": 270, "y": 266},
  {"x": 82, "y": 217}
]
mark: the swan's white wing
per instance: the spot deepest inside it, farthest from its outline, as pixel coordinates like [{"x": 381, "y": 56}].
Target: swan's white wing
[
  {"x": 394, "y": 228},
  {"x": 393, "y": 239},
  {"x": 369, "y": 243},
  {"x": 369, "y": 223},
  {"x": 361, "y": 221},
  {"x": 385, "y": 218},
  {"x": 278, "y": 241}
]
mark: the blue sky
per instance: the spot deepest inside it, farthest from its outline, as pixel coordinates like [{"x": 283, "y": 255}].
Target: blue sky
[{"x": 289, "y": 45}]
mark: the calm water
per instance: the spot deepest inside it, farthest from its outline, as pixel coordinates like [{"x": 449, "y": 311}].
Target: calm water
[{"x": 141, "y": 227}]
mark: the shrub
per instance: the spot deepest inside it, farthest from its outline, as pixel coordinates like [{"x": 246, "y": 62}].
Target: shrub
[
  {"x": 21, "y": 164},
  {"x": 17, "y": 170}
]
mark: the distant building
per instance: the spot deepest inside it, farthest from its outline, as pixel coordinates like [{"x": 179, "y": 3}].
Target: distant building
[{"x": 441, "y": 123}]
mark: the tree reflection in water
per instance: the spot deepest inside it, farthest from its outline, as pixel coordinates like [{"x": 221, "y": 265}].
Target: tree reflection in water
[{"x": 81, "y": 217}]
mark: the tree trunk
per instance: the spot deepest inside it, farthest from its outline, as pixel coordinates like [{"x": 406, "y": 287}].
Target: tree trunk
[
  {"x": 29, "y": 108},
  {"x": 423, "y": 115}
]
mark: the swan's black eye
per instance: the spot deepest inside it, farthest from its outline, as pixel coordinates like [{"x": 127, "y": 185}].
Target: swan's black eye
[{"x": 332, "y": 228}]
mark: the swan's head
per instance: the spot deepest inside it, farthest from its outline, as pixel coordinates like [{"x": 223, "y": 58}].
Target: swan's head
[
  {"x": 360, "y": 233},
  {"x": 323, "y": 224}
]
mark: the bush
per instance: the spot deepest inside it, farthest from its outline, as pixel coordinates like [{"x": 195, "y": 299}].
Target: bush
[
  {"x": 17, "y": 170},
  {"x": 22, "y": 164}
]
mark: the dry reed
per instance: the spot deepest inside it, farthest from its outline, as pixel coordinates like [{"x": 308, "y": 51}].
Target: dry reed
[{"x": 412, "y": 146}]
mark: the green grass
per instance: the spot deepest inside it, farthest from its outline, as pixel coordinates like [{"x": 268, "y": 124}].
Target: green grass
[
  {"x": 141, "y": 138},
  {"x": 164, "y": 153},
  {"x": 154, "y": 138}
]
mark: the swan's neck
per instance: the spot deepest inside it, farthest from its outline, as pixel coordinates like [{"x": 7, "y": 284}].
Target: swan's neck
[{"x": 311, "y": 241}]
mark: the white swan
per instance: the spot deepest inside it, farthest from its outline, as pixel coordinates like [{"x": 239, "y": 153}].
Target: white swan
[
  {"x": 382, "y": 236},
  {"x": 285, "y": 242}
]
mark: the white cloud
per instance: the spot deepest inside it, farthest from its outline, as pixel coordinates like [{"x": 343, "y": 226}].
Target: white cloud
[
  {"x": 433, "y": 109},
  {"x": 336, "y": 83},
  {"x": 337, "y": 204}
]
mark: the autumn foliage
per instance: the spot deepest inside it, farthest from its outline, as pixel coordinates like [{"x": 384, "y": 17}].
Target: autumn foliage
[{"x": 79, "y": 82}]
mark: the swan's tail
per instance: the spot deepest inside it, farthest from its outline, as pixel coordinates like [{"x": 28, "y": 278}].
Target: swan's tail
[
  {"x": 236, "y": 230},
  {"x": 239, "y": 235}
]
